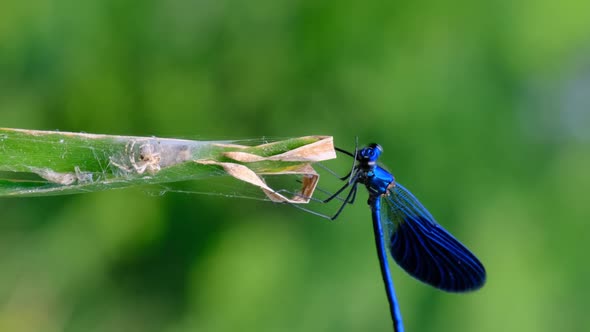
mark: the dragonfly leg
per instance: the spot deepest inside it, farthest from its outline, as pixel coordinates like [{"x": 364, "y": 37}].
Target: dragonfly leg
[
  {"x": 348, "y": 176},
  {"x": 327, "y": 193},
  {"x": 344, "y": 151},
  {"x": 334, "y": 173},
  {"x": 350, "y": 194},
  {"x": 346, "y": 185},
  {"x": 323, "y": 191},
  {"x": 342, "y": 178},
  {"x": 313, "y": 199},
  {"x": 351, "y": 201}
]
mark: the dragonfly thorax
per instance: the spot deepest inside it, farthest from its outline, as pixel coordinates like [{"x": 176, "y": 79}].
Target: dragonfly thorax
[{"x": 378, "y": 181}]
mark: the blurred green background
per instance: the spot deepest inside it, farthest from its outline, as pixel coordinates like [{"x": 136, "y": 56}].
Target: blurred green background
[{"x": 483, "y": 109}]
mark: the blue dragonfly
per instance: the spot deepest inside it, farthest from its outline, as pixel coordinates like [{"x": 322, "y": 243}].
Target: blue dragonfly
[{"x": 417, "y": 243}]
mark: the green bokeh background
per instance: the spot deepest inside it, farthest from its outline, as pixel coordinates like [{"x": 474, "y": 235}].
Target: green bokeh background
[{"x": 483, "y": 109}]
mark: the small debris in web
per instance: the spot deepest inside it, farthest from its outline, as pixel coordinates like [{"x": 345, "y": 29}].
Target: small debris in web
[{"x": 65, "y": 178}]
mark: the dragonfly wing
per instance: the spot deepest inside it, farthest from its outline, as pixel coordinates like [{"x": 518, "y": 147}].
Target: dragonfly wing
[{"x": 426, "y": 250}]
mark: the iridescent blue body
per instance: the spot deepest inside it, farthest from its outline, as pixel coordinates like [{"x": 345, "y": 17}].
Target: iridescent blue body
[{"x": 417, "y": 243}]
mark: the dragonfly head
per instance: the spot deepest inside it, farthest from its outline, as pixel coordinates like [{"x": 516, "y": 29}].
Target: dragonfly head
[{"x": 369, "y": 154}]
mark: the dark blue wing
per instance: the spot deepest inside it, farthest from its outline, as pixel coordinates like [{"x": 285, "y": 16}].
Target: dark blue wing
[{"x": 424, "y": 249}]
